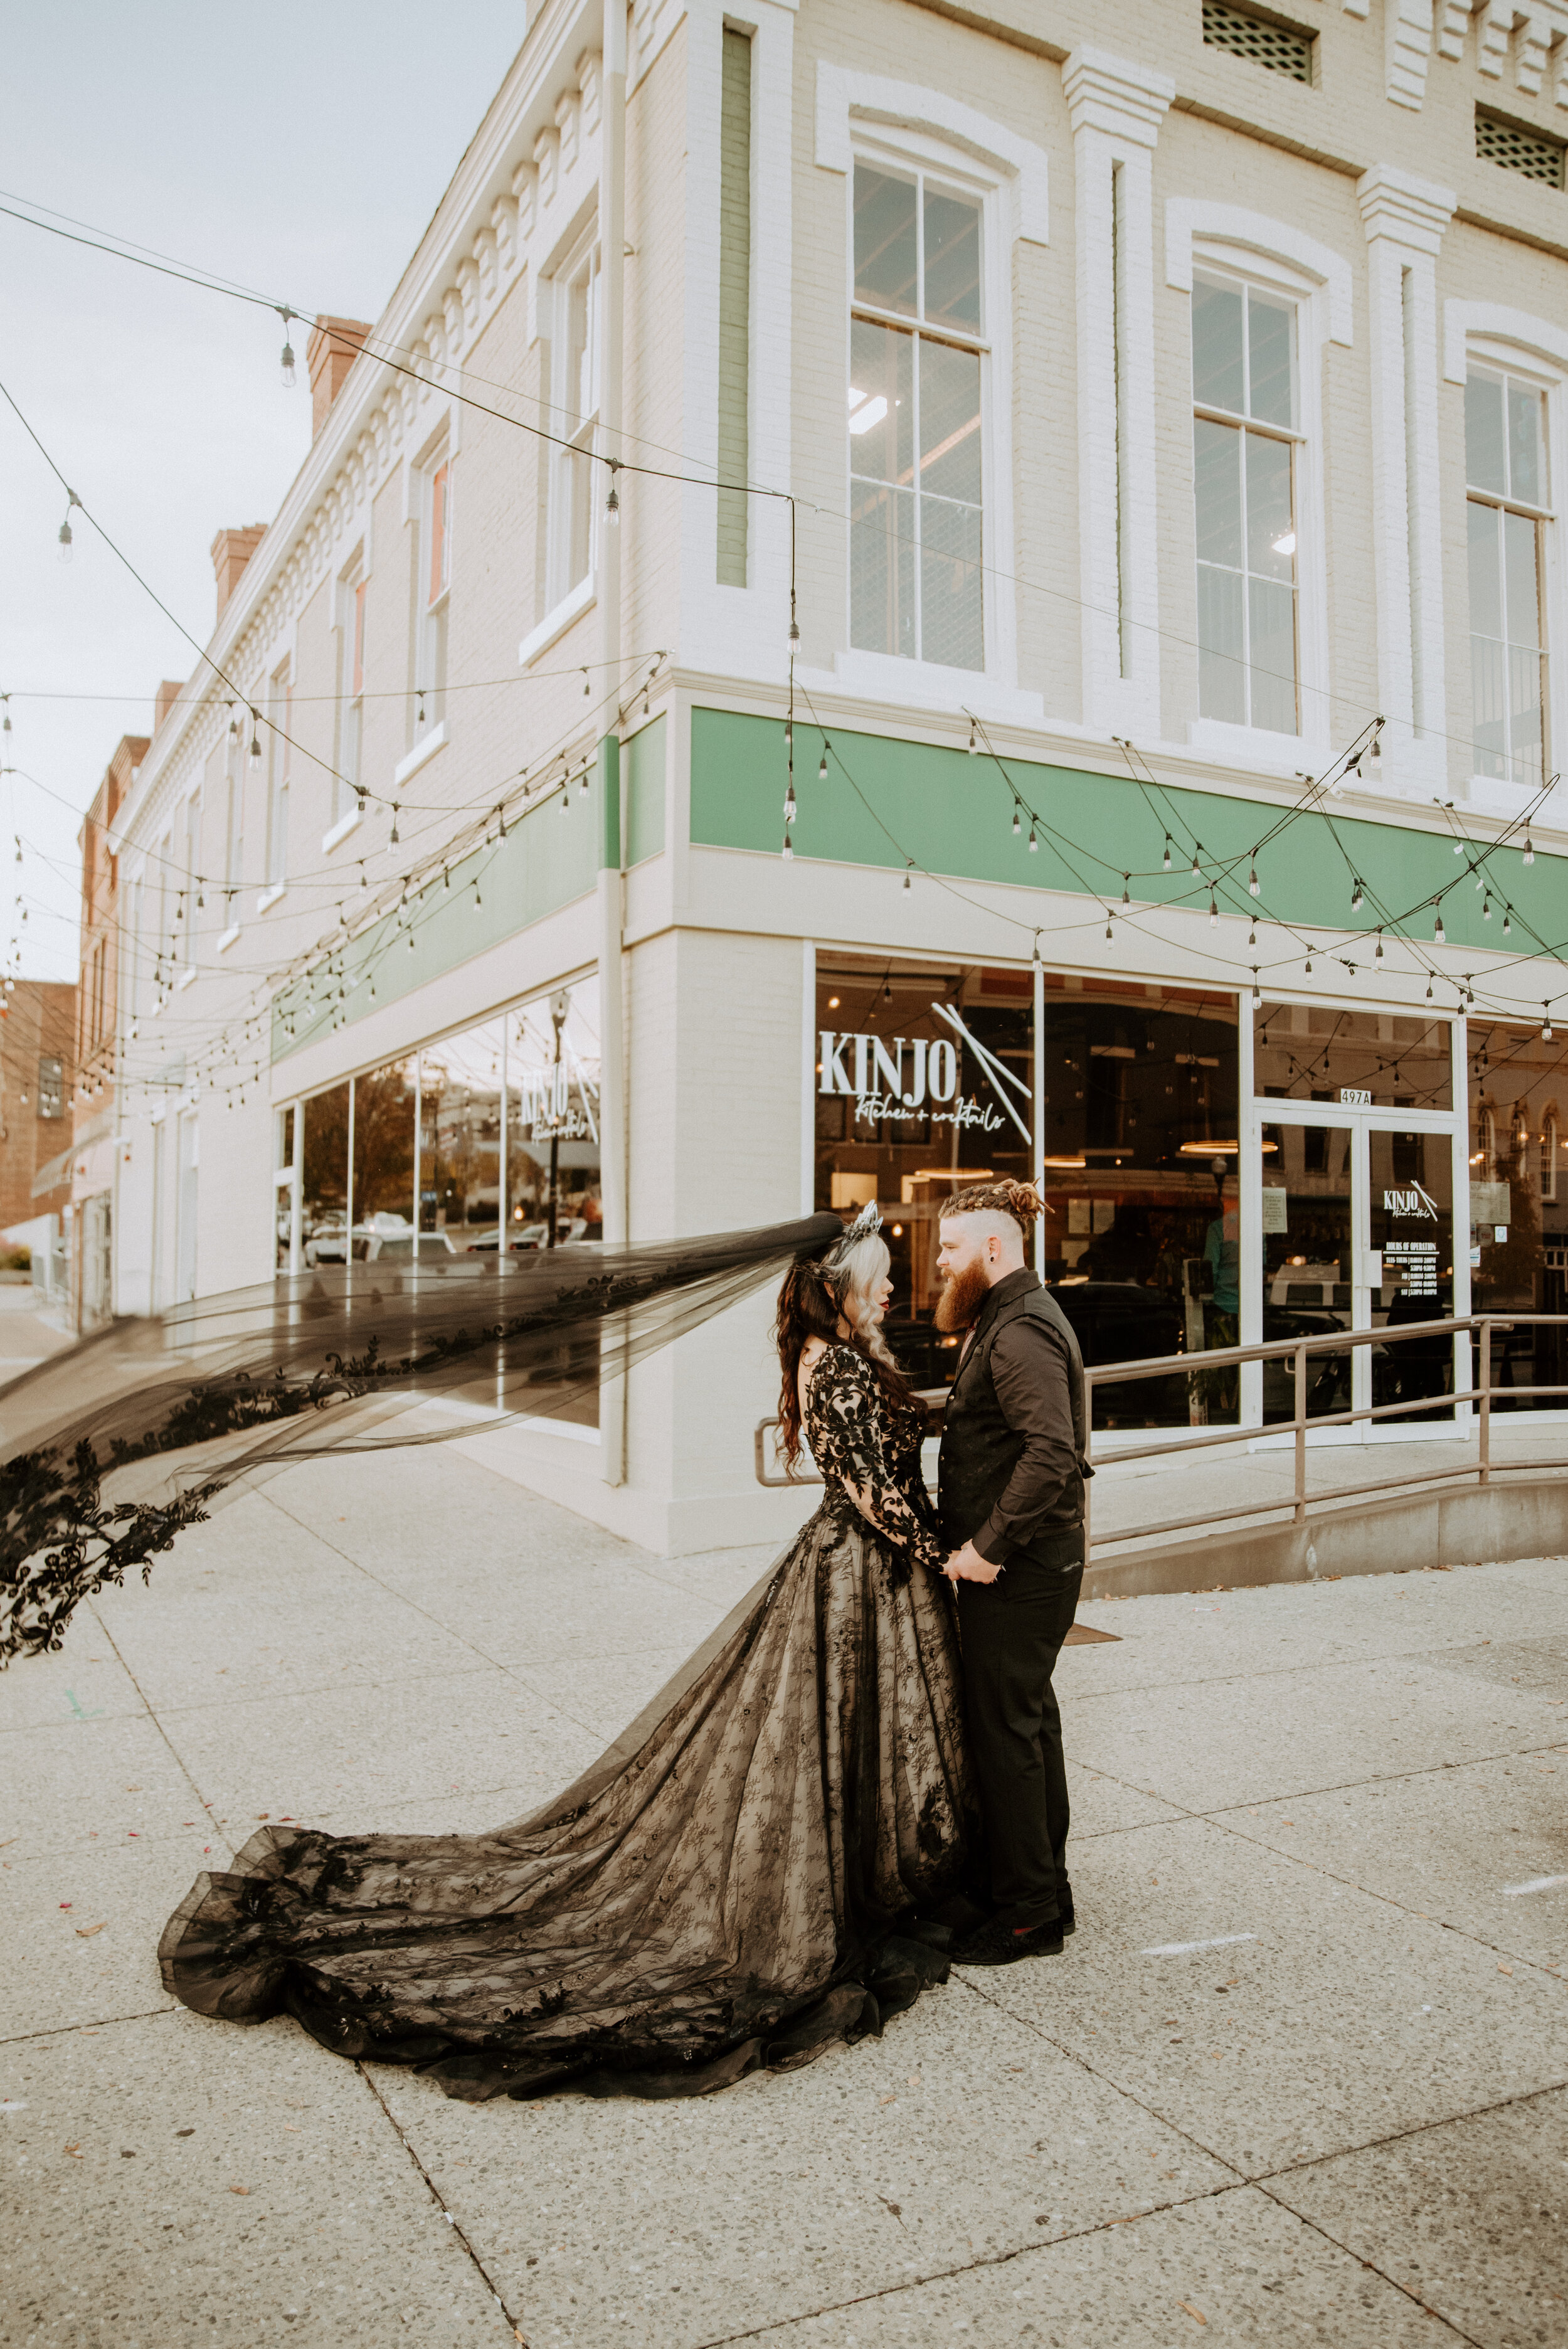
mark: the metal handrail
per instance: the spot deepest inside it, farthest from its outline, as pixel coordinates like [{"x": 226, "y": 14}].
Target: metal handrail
[{"x": 1298, "y": 1350}]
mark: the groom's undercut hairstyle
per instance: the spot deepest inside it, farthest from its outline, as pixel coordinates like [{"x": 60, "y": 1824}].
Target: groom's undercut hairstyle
[{"x": 1020, "y": 1201}]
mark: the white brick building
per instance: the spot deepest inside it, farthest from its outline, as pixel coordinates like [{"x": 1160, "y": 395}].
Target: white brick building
[{"x": 1206, "y": 381}]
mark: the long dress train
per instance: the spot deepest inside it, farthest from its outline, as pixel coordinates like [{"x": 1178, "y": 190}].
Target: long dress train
[{"x": 732, "y": 1885}]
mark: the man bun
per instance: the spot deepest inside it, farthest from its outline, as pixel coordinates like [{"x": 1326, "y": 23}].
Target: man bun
[{"x": 1020, "y": 1200}]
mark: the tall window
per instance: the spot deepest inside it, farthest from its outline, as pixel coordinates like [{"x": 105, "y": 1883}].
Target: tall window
[
  {"x": 576, "y": 367},
  {"x": 350, "y": 697},
  {"x": 185, "y": 926},
  {"x": 916, "y": 581},
  {"x": 280, "y": 710},
  {"x": 1243, "y": 469},
  {"x": 1508, "y": 507},
  {"x": 435, "y": 581},
  {"x": 233, "y": 828}
]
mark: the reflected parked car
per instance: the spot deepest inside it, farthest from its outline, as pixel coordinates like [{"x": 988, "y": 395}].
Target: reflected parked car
[
  {"x": 1121, "y": 1321},
  {"x": 524, "y": 1237}
]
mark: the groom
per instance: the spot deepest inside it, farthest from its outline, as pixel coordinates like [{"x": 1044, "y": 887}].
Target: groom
[{"x": 1012, "y": 1502}]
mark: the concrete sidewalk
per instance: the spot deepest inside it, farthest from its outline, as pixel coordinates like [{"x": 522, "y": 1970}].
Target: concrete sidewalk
[{"x": 1299, "y": 2077}]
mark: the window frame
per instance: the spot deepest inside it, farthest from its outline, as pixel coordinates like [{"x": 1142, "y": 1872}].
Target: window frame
[
  {"x": 1493, "y": 355},
  {"x": 912, "y": 152},
  {"x": 352, "y": 589},
  {"x": 920, "y": 330},
  {"x": 432, "y": 594},
  {"x": 1551, "y": 1138},
  {"x": 571, "y": 475},
  {"x": 1227, "y": 258},
  {"x": 280, "y": 711}
]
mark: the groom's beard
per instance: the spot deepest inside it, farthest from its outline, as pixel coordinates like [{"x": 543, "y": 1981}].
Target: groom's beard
[{"x": 964, "y": 1294}]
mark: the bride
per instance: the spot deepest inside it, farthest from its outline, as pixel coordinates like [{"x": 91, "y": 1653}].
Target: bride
[{"x": 737, "y": 1882}]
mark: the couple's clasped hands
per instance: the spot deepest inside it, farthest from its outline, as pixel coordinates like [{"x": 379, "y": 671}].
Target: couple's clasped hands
[{"x": 966, "y": 1565}]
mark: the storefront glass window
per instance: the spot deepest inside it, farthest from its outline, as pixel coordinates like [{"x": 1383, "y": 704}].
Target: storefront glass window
[
  {"x": 924, "y": 1084},
  {"x": 505, "y": 1116},
  {"x": 1142, "y": 1246},
  {"x": 1307, "y": 1051},
  {"x": 1519, "y": 1202}
]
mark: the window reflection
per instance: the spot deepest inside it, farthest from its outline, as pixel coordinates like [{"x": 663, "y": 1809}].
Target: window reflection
[
  {"x": 1307, "y": 1051},
  {"x": 504, "y": 1117},
  {"x": 1519, "y": 1206}
]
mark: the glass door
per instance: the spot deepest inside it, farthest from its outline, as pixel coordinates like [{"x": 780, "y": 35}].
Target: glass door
[
  {"x": 1308, "y": 1234},
  {"x": 1408, "y": 1228}
]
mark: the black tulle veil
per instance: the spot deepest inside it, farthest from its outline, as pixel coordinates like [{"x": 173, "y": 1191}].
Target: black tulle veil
[{"x": 108, "y": 1448}]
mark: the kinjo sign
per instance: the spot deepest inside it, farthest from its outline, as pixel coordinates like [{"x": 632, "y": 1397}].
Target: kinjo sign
[
  {"x": 1411, "y": 1201},
  {"x": 874, "y": 1073}
]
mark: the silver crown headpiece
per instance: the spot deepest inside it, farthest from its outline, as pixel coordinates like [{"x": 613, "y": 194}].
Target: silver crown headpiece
[{"x": 867, "y": 1221}]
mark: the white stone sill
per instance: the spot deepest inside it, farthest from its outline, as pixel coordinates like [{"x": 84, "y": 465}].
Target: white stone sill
[
  {"x": 270, "y": 896},
  {"x": 342, "y": 828},
  {"x": 583, "y": 598},
  {"x": 186, "y": 976},
  {"x": 228, "y": 937},
  {"x": 419, "y": 755}
]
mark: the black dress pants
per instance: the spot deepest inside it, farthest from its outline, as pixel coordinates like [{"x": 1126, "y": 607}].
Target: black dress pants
[{"x": 1010, "y": 1631}]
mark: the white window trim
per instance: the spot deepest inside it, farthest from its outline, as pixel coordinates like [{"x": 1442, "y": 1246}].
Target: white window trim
[
  {"x": 878, "y": 674},
  {"x": 1228, "y": 241},
  {"x": 423, "y": 751},
  {"x": 340, "y": 831},
  {"x": 270, "y": 896},
  {"x": 1016, "y": 165},
  {"x": 1515, "y": 343},
  {"x": 555, "y": 623},
  {"x": 553, "y": 299},
  {"x": 227, "y": 937}
]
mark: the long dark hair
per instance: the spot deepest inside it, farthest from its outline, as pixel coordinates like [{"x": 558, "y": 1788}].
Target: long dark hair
[{"x": 810, "y": 1304}]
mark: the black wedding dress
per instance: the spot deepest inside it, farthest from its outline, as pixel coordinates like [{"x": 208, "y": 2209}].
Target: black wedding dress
[{"x": 733, "y": 1885}]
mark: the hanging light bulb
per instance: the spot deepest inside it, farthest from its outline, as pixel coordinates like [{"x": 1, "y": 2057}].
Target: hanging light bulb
[
  {"x": 1529, "y": 850},
  {"x": 788, "y": 851},
  {"x": 1507, "y": 920},
  {"x": 1429, "y": 990},
  {"x": 586, "y": 688},
  {"x": 1253, "y": 936},
  {"x": 64, "y": 539},
  {"x": 1309, "y": 967},
  {"x": 5, "y": 724},
  {"x": 1166, "y": 867},
  {"x": 1125, "y": 879},
  {"x": 1034, "y": 843},
  {"x": 973, "y": 745},
  {"x": 1377, "y": 956},
  {"x": 1252, "y": 882},
  {"x": 286, "y": 359},
  {"x": 790, "y": 806},
  {"x": 1486, "y": 908},
  {"x": 1257, "y": 992},
  {"x": 1546, "y": 1036},
  {"x": 822, "y": 762},
  {"x": 255, "y": 752},
  {"x": 1017, "y": 826},
  {"x": 794, "y": 628},
  {"x": 887, "y": 989},
  {"x": 789, "y": 734},
  {"x": 1197, "y": 868},
  {"x": 613, "y": 502},
  {"x": 583, "y": 783},
  {"x": 1108, "y": 926},
  {"x": 1358, "y": 898},
  {"x": 234, "y": 725},
  {"x": 907, "y": 868},
  {"x": 1439, "y": 936},
  {"x": 478, "y": 901},
  {"x": 565, "y": 794},
  {"x": 392, "y": 837},
  {"x": 1213, "y": 912}
]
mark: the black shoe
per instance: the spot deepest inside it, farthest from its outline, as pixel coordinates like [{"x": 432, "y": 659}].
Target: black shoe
[
  {"x": 997, "y": 1944},
  {"x": 1068, "y": 1922}
]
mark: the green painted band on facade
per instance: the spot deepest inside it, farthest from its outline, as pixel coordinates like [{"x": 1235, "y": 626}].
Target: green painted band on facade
[
  {"x": 885, "y": 802},
  {"x": 549, "y": 858},
  {"x": 607, "y": 775}
]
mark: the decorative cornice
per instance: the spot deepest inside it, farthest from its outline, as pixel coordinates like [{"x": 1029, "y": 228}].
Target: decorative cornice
[
  {"x": 1113, "y": 95},
  {"x": 1411, "y": 212}
]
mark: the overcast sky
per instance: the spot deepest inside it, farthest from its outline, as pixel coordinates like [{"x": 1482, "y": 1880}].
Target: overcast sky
[{"x": 298, "y": 149}]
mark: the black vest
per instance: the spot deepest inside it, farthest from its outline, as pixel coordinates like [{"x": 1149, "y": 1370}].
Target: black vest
[{"x": 980, "y": 1450}]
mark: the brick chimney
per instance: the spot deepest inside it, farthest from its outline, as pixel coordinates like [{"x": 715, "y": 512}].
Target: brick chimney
[
  {"x": 232, "y": 550},
  {"x": 332, "y": 350},
  {"x": 168, "y": 694}
]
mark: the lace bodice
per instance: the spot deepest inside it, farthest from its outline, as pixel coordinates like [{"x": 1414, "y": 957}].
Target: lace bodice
[{"x": 868, "y": 1453}]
